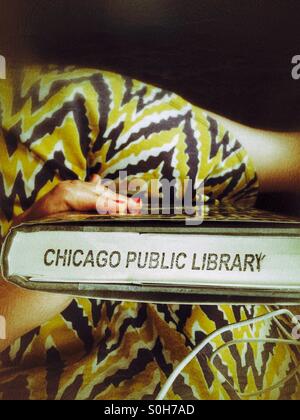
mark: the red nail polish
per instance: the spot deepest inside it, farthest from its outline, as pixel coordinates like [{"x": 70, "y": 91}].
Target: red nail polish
[
  {"x": 137, "y": 200},
  {"x": 120, "y": 202}
]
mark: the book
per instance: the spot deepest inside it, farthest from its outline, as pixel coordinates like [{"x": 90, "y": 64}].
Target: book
[{"x": 234, "y": 256}]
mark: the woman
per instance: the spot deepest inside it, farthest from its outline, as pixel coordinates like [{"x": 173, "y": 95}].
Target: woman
[{"x": 62, "y": 129}]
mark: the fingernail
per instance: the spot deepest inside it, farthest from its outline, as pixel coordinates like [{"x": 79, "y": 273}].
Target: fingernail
[
  {"x": 120, "y": 202},
  {"x": 137, "y": 200}
]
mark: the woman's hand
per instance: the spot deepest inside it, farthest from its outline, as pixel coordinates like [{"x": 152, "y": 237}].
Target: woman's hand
[
  {"x": 81, "y": 197},
  {"x": 25, "y": 310}
]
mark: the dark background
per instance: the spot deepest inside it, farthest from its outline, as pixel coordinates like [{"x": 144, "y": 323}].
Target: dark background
[{"x": 229, "y": 56}]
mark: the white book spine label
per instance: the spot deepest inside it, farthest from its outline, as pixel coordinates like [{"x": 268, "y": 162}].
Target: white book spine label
[{"x": 134, "y": 258}]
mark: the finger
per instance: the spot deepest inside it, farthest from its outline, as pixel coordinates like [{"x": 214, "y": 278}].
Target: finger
[
  {"x": 95, "y": 179},
  {"x": 83, "y": 199},
  {"x": 105, "y": 190},
  {"x": 107, "y": 206},
  {"x": 134, "y": 205},
  {"x": 107, "y": 193}
]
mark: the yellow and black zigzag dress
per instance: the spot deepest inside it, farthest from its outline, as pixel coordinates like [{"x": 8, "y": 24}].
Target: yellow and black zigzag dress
[{"x": 68, "y": 123}]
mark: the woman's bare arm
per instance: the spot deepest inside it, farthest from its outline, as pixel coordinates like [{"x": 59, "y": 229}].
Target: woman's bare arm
[{"x": 276, "y": 156}]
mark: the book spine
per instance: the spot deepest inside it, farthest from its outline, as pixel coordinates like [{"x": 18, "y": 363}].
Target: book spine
[{"x": 133, "y": 258}]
